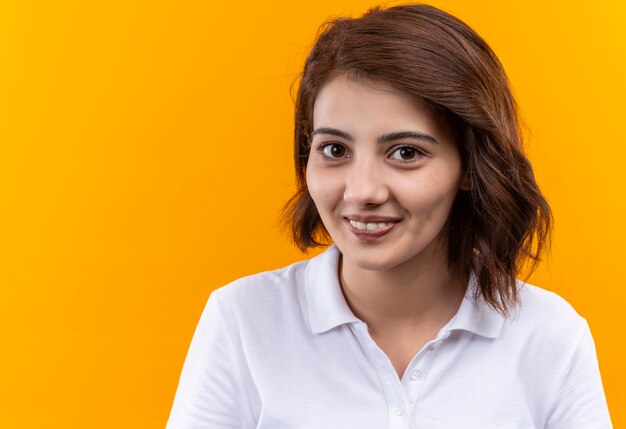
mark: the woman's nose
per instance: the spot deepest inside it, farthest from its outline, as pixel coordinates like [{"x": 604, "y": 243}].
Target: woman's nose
[{"x": 365, "y": 184}]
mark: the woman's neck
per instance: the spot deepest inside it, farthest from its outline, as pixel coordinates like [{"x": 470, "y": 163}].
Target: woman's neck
[{"x": 405, "y": 298}]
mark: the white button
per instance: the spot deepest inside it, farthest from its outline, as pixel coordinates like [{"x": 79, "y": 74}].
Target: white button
[
  {"x": 416, "y": 374},
  {"x": 399, "y": 409}
]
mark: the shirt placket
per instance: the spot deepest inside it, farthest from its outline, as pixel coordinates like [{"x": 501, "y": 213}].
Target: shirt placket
[
  {"x": 397, "y": 404},
  {"x": 401, "y": 395},
  {"x": 417, "y": 371}
]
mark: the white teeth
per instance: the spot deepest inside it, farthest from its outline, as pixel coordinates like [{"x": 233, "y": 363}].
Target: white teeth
[{"x": 369, "y": 226}]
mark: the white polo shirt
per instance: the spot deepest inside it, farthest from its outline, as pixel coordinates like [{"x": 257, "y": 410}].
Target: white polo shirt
[{"x": 282, "y": 349}]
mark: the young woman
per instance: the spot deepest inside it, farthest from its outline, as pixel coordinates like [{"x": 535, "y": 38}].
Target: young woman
[{"x": 409, "y": 159}]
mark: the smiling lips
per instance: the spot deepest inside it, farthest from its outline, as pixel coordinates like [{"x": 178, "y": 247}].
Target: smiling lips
[{"x": 367, "y": 228}]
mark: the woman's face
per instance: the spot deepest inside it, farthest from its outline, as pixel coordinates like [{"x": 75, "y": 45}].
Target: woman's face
[{"x": 383, "y": 173}]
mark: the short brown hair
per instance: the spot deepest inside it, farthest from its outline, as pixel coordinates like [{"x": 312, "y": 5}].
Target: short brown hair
[{"x": 503, "y": 222}]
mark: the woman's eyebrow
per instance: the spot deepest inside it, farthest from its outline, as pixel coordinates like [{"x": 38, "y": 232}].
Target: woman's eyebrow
[
  {"x": 397, "y": 135},
  {"x": 332, "y": 132},
  {"x": 406, "y": 135}
]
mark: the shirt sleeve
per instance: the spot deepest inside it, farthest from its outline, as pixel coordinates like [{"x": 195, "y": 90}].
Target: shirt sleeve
[
  {"x": 580, "y": 402},
  {"x": 211, "y": 393}
]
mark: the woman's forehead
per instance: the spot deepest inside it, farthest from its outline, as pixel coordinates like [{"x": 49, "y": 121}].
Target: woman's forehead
[{"x": 361, "y": 105}]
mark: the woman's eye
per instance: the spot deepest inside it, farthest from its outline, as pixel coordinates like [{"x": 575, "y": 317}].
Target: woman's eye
[
  {"x": 333, "y": 150},
  {"x": 405, "y": 153}
]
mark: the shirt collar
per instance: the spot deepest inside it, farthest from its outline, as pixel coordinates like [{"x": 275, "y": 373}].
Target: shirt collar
[
  {"x": 327, "y": 306},
  {"x": 476, "y": 316}
]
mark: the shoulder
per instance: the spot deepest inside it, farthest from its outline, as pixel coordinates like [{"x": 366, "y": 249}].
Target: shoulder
[
  {"x": 282, "y": 301},
  {"x": 284, "y": 286},
  {"x": 558, "y": 359},
  {"x": 265, "y": 289},
  {"x": 539, "y": 306},
  {"x": 545, "y": 323}
]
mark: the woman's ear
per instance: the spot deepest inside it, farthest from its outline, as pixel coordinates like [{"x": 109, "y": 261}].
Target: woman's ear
[{"x": 466, "y": 183}]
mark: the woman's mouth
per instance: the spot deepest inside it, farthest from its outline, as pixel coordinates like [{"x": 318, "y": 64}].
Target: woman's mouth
[
  {"x": 369, "y": 230},
  {"x": 369, "y": 226}
]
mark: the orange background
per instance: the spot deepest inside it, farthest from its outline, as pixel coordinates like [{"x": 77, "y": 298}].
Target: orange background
[{"x": 146, "y": 152}]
